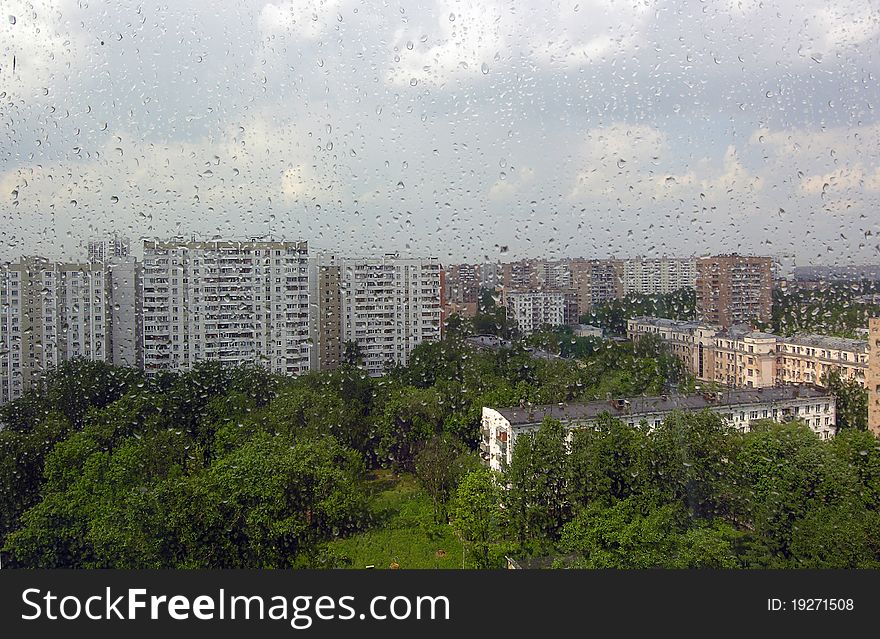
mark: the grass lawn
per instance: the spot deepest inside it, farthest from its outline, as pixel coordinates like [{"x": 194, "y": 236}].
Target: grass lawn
[{"x": 404, "y": 532}]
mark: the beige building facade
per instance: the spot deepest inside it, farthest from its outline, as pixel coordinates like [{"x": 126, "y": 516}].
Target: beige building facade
[{"x": 873, "y": 375}]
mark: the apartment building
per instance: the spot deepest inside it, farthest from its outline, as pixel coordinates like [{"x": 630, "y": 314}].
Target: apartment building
[
  {"x": 691, "y": 342},
  {"x": 462, "y": 283},
  {"x": 744, "y": 358},
  {"x": 500, "y": 427},
  {"x": 325, "y": 301},
  {"x": 102, "y": 250},
  {"x": 229, "y": 301},
  {"x": 124, "y": 286},
  {"x": 521, "y": 275},
  {"x": 531, "y": 310},
  {"x": 734, "y": 289},
  {"x": 873, "y": 375},
  {"x": 807, "y": 357},
  {"x": 653, "y": 276},
  {"x": 554, "y": 274},
  {"x": 596, "y": 282},
  {"x": 390, "y": 305},
  {"x": 49, "y": 312}
]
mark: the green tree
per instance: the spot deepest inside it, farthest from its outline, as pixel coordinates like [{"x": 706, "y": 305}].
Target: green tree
[
  {"x": 352, "y": 354},
  {"x": 607, "y": 462},
  {"x": 538, "y": 494},
  {"x": 410, "y": 417},
  {"x": 439, "y": 466},
  {"x": 477, "y": 517}
]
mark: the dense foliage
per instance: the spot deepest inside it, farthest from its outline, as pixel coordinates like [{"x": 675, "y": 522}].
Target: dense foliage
[
  {"x": 234, "y": 467},
  {"x": 833, "y": 309},
  {"x": 230, "y": 467},
  {"x": 691, "y": 493}
]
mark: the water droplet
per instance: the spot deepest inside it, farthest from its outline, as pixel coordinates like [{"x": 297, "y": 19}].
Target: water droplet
[
  {"x": 400, "y": 185},
  {"x": 413, "y": 82},
  {"x": 484, "y": 68},
  {"x": 620, "y": 163},
  {"x": 409, "y": 45},
  {"x": 114, "y": 199},
  {"x": 452, "y": 17},
  {"x": 11, "y": 19}
]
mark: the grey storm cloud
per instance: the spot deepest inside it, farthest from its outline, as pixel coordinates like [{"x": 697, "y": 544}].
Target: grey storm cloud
[{"x": 451, "y": 129}]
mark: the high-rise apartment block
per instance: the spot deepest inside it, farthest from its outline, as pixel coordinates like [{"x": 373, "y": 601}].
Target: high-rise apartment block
[
  {"x": 104, "y": 249},
  {"x": 229, "y": 301},
  {"x": 463, "y": 283},
  {"x": 390, "y": 305},
  {"x": 51, "y": 312},
  {"x": 652, "y": 276},
  {"x": 325, "y": 302},
  {"x": 596, "y": 282},
  {"x": 125, "y": 291},
  {"x": 734, "y": 289}
]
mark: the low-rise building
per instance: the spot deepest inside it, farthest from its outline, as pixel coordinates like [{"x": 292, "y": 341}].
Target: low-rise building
[
  {"x": 744, "y": 358},
  {"x": 873, "y": 375},
  {"x": 808, "y": 358},
  {"x": 740, "y": 356},
  {"x": 691, "y": 342},
  {"x": 587, "y": 330},
  {"x": 500, "y": 427}
]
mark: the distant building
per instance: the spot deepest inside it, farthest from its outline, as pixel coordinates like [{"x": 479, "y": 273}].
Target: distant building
[
  {"x": 521, "y": 275},
  {"x": 693, "y": 343},
  {"x": 325, "y": 311},
  {"x": 49, "y": 312},
  {"x": 500, "y": 427},
  {"x": 818, "y": 276},
  {"x": 462, "y": 283},
  {"x": 734, "y": 289},
  {"x": 125, "y": 289},
  {"x": 229, "y": 301},
  {"x": 390, "y": 305},
  {"x": 596, "y": 282},
  {"x": 873, "y": 376},
  {"x": 740, "y": 356},
  {"x": 807, "y": 357},
  {"x": 586, "y": 330},
  {"x": 532, "y": 310},
  {"x": 104, "y": 249},
  {"x": 744, "y": 358},
  {"x": 661, "y": 275}
]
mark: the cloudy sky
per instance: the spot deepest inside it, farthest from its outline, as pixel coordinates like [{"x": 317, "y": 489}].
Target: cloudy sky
[{"x": 464, "y": 130}]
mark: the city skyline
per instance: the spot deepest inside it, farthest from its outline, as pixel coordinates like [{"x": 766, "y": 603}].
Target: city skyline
[{"x": 591, "y": 129}]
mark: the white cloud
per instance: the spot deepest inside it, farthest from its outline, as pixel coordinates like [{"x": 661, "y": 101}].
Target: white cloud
[
  {"x": 36, "y": 45},
  {"x": 465, "y": 39},
  {"x": 304, "y": 18}
]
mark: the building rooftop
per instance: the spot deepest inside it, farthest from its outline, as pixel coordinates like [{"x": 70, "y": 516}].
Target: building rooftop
[
  {"x": 669, "y": 323},
  {"x": 739, "y": 331},
  {"x": 665, "y": 403},
  {"x": 827, "y": 341}
]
